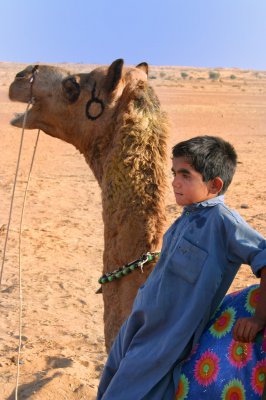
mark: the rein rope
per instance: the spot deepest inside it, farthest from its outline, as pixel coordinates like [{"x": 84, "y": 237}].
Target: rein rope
[
  {"x": 128, "y": 268},
  {"x": 31, "y": 101}
]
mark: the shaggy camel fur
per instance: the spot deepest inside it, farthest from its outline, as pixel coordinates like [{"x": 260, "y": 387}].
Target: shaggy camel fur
[{"x": 113, "y": 117}]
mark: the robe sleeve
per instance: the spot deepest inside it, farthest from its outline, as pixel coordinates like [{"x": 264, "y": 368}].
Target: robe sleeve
[{"x": 247, "y": 246}]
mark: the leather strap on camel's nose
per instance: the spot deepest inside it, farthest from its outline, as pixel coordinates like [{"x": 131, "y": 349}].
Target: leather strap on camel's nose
[
  {"x": 32, "y": 78},
  {"x": 33, "y": 72}
]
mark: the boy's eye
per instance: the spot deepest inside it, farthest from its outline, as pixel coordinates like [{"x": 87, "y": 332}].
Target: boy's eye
[{"x": 186, "y": 176}]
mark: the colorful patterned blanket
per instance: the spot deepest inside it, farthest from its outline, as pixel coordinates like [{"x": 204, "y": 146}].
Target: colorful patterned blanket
[{"x": 221, "y": 368}]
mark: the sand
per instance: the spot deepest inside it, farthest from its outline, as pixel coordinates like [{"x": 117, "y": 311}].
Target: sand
[{"x": 62, "y": 233}]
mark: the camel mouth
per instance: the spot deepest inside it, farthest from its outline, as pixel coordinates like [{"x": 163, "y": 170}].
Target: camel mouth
[
  {"x": 16, "y": 120},
  {"x": 19, "y": 118}
]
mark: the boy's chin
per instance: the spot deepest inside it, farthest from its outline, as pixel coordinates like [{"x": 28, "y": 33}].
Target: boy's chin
[
  {"x": 180, "y": 201},
  {"x": 181, "y": 204}
]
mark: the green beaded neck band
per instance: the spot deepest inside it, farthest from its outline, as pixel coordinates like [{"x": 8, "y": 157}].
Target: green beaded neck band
[{"x": 128, "y": 268}]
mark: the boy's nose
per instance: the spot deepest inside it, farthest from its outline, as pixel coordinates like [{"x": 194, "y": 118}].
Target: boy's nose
[{"x": 175, "y": 182}]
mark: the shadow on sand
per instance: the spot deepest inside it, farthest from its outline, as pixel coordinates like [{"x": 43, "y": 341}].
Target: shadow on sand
[{"x": 26, "y": 390}]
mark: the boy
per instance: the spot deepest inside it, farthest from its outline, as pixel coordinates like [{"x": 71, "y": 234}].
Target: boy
[{"x": 201, "y": 253}]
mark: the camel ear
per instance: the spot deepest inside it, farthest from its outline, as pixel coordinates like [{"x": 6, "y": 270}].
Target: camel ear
[
  {"x": 114, "y": 74},
  {"x": 144, "y": 66},
  {"x": 71, "y": 89}
]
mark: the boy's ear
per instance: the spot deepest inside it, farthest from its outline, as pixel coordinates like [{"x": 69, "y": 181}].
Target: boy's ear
[{"x": 216, "y": 185}]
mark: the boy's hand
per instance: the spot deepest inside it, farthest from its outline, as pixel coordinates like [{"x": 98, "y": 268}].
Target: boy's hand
[{"x": 246, "y": 329}]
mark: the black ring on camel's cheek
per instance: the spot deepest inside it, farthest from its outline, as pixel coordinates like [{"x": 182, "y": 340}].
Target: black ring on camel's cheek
[{"x": 90, "y": 102}]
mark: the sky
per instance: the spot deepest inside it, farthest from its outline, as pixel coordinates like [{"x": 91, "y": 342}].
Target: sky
[{"x": 197, "y": 33}]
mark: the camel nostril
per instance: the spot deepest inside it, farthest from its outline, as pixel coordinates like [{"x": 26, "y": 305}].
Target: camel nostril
[{"x": 20, "y": 75}]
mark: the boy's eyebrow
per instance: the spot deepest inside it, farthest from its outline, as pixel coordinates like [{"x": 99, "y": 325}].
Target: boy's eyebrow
[{"x": 181, "y": 171}]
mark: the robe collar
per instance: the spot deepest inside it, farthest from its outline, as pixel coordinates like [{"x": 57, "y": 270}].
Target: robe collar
[{"x": 205, "y": 203}]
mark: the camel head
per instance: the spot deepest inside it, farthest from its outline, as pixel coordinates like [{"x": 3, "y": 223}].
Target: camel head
[{"x": 75, "y": 108}]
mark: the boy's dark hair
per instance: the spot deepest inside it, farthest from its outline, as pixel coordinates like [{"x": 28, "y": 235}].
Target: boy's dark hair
[{"x": 211, "y": 156}]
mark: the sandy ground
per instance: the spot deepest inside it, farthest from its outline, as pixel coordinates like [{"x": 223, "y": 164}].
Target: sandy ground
[{"x": 62, "y": 234}]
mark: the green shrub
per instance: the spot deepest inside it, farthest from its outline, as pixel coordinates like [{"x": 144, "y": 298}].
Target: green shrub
[
  {"x": 232, "y": 77},
  {"x": 184, "y": 75},
  {"x": 214, "y": 75}
]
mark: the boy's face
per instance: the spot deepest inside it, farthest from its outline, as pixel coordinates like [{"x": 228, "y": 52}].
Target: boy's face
[{"x": 188, "y": 184}]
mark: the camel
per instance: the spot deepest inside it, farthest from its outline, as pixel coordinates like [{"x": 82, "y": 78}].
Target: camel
[{"x": 113, "y": 117}]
